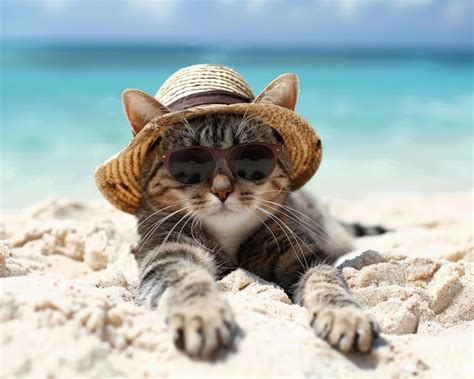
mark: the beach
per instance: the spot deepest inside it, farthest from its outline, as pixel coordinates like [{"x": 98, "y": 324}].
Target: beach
[{"x": 67, "y": 305}]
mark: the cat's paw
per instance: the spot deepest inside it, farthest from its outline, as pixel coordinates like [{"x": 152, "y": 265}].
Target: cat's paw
[
  {"x": 203, "y": 327},
  {"x": 346, "y": 328}
]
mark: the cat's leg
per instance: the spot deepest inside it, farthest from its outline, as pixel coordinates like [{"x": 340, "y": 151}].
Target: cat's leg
[
  {"x": 334, "y": 315},
  {"x": 180, "y": 278}
]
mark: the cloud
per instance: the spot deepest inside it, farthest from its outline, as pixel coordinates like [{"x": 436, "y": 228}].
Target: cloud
[
  {"x": 239, "y": 22},
  {"x": 165, "y": 9}
]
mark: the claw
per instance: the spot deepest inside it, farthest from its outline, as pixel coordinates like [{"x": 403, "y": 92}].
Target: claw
[
  {"x": 202, "y": 330},
  {"x": 346, "y": 328}
]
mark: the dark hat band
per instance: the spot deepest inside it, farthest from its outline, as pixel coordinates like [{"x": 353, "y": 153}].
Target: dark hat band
[{"x": 206, "y": 98}]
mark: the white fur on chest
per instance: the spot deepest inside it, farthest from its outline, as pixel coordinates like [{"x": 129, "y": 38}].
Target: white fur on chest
[{"x": 230, "y": 229}]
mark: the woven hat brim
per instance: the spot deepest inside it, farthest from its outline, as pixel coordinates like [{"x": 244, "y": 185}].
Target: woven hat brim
[{"x": 118, "y": 177}]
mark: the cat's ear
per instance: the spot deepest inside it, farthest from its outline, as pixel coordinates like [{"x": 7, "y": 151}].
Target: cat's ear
[
  {"x": 140, "y": 108},
  {"x": 283, "y": 91}
]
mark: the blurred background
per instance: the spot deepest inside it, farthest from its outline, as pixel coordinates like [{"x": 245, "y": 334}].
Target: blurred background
[{"x": 388, "y": 85}]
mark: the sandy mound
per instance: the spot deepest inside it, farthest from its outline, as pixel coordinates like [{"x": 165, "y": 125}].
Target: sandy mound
[{"x": 67, "y": 303}]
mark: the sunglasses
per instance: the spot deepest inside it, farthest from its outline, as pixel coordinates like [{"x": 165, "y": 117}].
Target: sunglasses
[{"x": 194, "y": 164}]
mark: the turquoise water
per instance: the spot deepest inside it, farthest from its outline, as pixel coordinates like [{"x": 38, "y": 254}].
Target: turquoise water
[{"x": 389, "y": 122}]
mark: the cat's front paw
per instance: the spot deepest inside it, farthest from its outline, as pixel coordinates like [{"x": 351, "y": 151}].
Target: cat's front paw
[
  {"x": 346, "y": 328},
  {"x": 202, "y": 327}
]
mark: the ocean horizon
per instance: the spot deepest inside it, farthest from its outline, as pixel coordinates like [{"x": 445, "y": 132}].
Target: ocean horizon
[{"x": 391, "y": 121}]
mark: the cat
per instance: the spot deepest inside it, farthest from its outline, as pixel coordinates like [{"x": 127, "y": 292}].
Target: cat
[{"x": 192, "y": 235}]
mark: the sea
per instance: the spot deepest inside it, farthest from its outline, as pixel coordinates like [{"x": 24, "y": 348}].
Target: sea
[{"x": 390, "y": 121}]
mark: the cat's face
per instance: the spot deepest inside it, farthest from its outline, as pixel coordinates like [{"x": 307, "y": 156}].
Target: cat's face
[{"x": 244, "y": 198}]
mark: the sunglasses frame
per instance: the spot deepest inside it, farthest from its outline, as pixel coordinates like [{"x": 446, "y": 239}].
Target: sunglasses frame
[{"x": 223, "y": 153}]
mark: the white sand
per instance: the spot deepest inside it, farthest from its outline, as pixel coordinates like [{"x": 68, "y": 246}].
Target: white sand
[{"x": 67, "y": 308}]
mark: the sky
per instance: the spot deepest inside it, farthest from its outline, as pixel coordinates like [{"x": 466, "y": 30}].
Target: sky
[{"x": 243, "y": 23}]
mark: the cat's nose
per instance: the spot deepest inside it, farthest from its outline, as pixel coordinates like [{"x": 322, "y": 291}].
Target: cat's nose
[
  {"x": 221, "y": 187},
  {"x": 222, "y": 194}
]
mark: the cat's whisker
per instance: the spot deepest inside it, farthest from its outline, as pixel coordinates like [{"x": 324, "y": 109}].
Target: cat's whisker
[
  {"x": 154, "y": 227},
  {"x": 158, "y": 249},
  {"x": 296, "y": 235},
  {"x": 266, "y": 226},
  {"x": 192, "y": 213},
  {"x": 151, "y": 229},
  {"x": 243, "y": 122},
  {"x": 308, "y": 227},
  {"x": 292, "y": 234},
  {"x": 126, "y": 238},
  {"x": 291, "y": 216},
  {"x": 293, "y": 211},
  {"x": 128, "y": 235},
  {"x": 317, "y": 224},
  {"x": 277, "y": 222},
  {"x": 322, "y": 259},
  {"x": 171, "y": 230},
  {"x": 249, "y": 119},
  {"x": 188, "y": 126},
  {"x": 238, "y": 131},
  {"x": 196, "y": 223}
]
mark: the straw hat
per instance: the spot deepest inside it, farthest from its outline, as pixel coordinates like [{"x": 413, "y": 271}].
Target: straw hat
[{"x": 195, "y": 91}]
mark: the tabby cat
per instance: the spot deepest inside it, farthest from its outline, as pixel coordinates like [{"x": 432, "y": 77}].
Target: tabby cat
[{"x": 194, "y": 232}]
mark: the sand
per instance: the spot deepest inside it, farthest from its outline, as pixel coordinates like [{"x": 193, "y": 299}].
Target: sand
[{"x": 67, "y": 302}]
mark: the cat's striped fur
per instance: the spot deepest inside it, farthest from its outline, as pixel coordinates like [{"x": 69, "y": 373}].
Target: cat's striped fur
[{"x": 189, "y": 238}]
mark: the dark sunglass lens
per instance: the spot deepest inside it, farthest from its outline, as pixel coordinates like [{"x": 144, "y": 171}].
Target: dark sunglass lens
[
  {"x": 253, "y": 162},
  {"x": 190, "y": 166}
]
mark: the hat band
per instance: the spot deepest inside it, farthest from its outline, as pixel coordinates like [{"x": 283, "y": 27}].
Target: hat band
[{"x": 206, "y": 98}]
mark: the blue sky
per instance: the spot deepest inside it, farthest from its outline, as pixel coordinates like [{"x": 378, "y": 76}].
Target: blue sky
[{"x": 243, "y": 23}]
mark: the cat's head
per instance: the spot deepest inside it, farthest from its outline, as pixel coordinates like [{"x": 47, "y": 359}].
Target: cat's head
[{"x": 223, "y": 194}]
